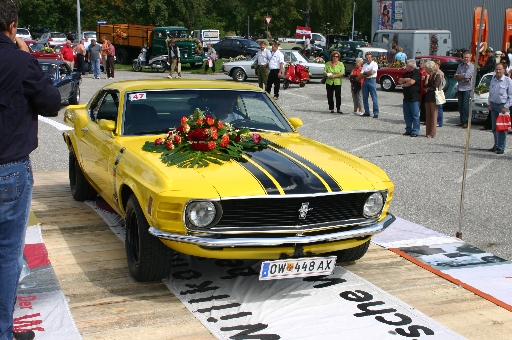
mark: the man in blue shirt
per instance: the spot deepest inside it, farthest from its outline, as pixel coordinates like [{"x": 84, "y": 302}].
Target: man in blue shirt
[
  {"x": 499, "y": 101},
  {"x": 463, "y": 75},
  {"x": 25, "y": 92}
]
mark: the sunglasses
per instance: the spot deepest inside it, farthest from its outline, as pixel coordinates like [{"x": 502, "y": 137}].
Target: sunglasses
[{"x": 335, "y": 56}]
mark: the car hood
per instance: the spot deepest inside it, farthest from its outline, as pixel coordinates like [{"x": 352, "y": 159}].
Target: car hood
[{"x": 292, "y": 164}]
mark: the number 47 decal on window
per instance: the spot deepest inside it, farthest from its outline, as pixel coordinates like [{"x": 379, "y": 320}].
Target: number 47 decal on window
[{"x": 137, "y": 96}]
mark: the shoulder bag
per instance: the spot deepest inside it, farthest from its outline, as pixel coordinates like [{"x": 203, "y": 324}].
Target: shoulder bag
[{"x": 440, "y": 99}]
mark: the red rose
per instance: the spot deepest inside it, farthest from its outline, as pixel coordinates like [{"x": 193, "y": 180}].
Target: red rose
[
  {"x": 177, "y": 139},
  {"x": 214, "y": 134},
  {"x": 169, "y": 145},
  {"x": 199, "y": 122},
  {"x": 224, "y": 141},
  {"x": 211, "y": 145},
  {"x": 209, "y": 120},
  {"x": 159, "y": 141},
  {"x": 220, "y": 125},
  {"x": 238, "y": 138},
  {"x": 183, "y": 120},
  {"x": 256, "y": 138},
  {"x": 186, "y": 128}
]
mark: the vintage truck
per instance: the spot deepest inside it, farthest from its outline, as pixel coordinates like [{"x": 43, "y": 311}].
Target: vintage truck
[{"x": 128, "y": 39}]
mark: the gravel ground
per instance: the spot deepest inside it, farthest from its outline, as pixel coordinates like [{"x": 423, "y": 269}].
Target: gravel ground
[{"x": 427, "y": 172}]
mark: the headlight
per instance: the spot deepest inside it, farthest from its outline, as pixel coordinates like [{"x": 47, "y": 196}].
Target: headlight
[
  {"x": 373, "y": 205},
  {"x": 200, "y": 213}
]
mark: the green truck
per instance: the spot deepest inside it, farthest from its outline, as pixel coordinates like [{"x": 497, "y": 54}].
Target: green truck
[{"x": 128, "y": 40}]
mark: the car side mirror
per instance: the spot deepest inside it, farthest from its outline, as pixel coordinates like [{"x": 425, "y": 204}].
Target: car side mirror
[
  {"x": 107, "y": 125},
  {"x": 296, "y": 122}
]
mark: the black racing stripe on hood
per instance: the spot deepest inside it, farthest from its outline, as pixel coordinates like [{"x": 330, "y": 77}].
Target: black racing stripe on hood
[
  {"x": 265, "y": 181},
  {"x": 291, "y": 176},
  {"x": 335, "y": 187}
]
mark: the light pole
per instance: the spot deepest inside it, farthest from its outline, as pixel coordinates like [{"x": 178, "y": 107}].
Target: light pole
[
  {"x": 353, "y": 19},
  {"x": 78, "y": 19}
]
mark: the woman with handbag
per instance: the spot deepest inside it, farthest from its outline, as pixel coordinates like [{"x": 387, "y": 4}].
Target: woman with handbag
[
  {"x": 355, "y": 87},
  {"x": 433, "y": 83},
  {"x": 211, "y": 57},
  {"x": 334, "y": 70}
]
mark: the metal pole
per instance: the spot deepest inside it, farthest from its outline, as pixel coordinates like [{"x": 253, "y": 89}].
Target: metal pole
[
  {"x": 458, "y": 234},
  {"x": 248, "y": 22},
  {"x": 78, "y": 19},
  {"x": 353, "y": 18}
]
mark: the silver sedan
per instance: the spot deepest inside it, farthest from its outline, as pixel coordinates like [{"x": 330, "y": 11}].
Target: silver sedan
[{"x": 241, "y": 70}]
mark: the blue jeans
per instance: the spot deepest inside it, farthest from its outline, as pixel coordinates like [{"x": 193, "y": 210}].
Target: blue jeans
[
  {"x": 463, "y": 100},
  {"x": 370, "y": 88},
  {"x": 500, "y": 138},
  {"x": 15, "y": 196},
  {"x": 440, "y": 115},
  {"x": 412, "y": 117},
  {"x": 95, "y": 66}
]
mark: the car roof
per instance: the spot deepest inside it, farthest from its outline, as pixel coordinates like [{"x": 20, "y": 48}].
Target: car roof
[
  {"x": 371, "y": 48},
  {"x": 183, "y": 84},
  {"x": 441, "y": 58}
]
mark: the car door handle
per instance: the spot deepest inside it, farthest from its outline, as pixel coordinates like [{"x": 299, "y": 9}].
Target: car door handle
[{"x": 85, "y": 129}]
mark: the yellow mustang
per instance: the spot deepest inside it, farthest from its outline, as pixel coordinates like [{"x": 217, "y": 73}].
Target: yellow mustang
[{"x": 295, "y": 198}]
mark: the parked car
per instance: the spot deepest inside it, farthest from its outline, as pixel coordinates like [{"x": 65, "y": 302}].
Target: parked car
[
  {"x": 241, "y": 70},
  {"x": 37, "y": 32},
  {"x": 350, "y": 59},
  {"x": 23, "y": 33},
  {"x": 35, "y": 48},
  {"x": 480, "y": 110},
  {"x": 346, "y": 49},
  {"x": 64, "y": 79},
  {"x": 233, "y": 47},
  {"x": 294, "y": 198},
  {"x": 90, "y": 35},
  {"x": 53, "y": 38},
  {"x": 388, "y": 77}
]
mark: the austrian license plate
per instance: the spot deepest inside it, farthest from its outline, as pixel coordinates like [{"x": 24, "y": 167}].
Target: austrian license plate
[
  {"x": 285, "y": 269},
  {"x": 479, "y": 116}
]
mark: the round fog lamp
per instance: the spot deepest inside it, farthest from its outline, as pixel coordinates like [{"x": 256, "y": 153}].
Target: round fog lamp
[
  {"x": 373, "y": 205},
  {"x": 201, "y": 214}
]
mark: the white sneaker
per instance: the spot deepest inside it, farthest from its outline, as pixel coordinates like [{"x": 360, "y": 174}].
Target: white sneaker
[
  {"x": 170, "y": 77},
  {"x": 178, "y": 77}
]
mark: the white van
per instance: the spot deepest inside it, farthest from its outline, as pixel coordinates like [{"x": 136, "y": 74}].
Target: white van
[
  {"x": 414, "y": 41},
  {"x": 207, "y": 36}
]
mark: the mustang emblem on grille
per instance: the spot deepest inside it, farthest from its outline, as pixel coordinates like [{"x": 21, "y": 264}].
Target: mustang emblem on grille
[{"x": 303, "y": 211}]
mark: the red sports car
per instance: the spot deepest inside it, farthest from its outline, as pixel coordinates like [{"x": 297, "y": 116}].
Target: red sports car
[
  {"x": 388, "y": 77},
  {"x": 35, "y": 48}
]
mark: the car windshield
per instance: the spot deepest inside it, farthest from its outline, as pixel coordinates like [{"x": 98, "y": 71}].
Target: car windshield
[
  {"x": 250, "y": 43},
  {"x": 58, "y": 35},
  {"x": 22, "y": 31},
  {"x": 486, "y": 79},
  {"x": 36, "y": 47},
  {"x": 49, "y": 69},
  {"x": 154, "y": 112},
  {"x": 178, "y": 34}
]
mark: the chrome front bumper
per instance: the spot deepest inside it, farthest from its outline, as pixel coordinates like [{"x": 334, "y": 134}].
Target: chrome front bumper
[{"x": 262, "y": 242}]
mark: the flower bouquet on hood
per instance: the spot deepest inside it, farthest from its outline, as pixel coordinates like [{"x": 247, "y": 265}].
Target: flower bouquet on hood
[{"x": 201, "y": 140}]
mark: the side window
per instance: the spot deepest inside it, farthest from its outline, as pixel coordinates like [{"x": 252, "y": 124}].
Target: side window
[
  {"x": 107, "y": 108},
  {"x": 239, "y": 44},
  {"x": 63, "y": 70},
  {"x": 287, "y": 56},
  {"x": 293, "y": 57},
  {"x": 385, "y": 38}
]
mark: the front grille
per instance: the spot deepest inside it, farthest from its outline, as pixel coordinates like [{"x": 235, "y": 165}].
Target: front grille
[{"x": 267, "y": 213}]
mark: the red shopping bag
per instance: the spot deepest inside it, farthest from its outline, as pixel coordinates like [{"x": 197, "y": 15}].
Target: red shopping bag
[{"x": 503, "y": 122}]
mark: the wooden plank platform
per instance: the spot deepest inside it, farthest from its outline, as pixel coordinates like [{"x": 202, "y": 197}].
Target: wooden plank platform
[{"x": 106, "y": 303}]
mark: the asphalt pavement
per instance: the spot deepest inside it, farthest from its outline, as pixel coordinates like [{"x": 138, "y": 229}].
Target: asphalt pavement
[{"x": 427, "y": 173}]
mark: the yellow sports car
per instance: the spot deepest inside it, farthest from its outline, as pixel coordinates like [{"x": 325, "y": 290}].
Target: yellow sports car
[{"x": 215, "y": 169}]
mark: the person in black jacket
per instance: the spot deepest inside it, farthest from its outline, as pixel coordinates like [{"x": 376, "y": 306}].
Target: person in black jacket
[
  {"x": 25, "y": 92},
  {"x": 490, "y": 64}
]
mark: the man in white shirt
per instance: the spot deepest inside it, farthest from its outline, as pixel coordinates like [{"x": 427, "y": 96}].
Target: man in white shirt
[
  {"x": 499, "y": 101},
  {"x": 369, "y": 74},
  {"x": 275, "y": 65},
  {"x": 263, "y": 56},
  {"x": 307, "y": 47}
]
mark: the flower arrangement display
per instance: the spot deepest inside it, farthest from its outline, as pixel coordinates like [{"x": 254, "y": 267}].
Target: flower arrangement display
[
  {"x": 319, "y": 60},
  {"x": 482, "y": 88},
  {"x": 47, "y": 49},
  {"x": 397, "y": 64},
  {"x": 119, "y": 35},
  {"x": 381, "y": 60},
  {"x": 237, "y": 58},
  {"x": 201, "y": 140},
  {"x": 433, "y": 45}
]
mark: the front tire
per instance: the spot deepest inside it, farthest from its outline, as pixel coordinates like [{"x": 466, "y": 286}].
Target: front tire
[
  {"x": 302, "y": 84},
  {"x": 122, "y": 56},
  {"x": 75, "y": 97},
  {"x": 136, "y": 66},
  {"x": 196, "y": 65},
  {"x": 159, "y": 66},
  {"x": 352, "y": 254},
  {"x": 81, "y": 190},
  {"x": 286, "y": 84},
  {"x": 238, "y": 74},
  {"x": 148, "y": 258},
  {"x": 387, "y": 84}
]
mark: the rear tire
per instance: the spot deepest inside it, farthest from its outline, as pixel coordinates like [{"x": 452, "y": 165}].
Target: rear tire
[
  {"x": 286, "y": 84},
  {"x": 122, "y": 56},
  {"x": 387, "y": 84},
  {"x": 302, "y": 84},
  {"x": 352, "y": 254},
  {"x": 148, "y": 258},
  {"x": 159, "y": 66},
  {"x": 81, "y": 190},
  {"x": 196, "y": 65}
]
